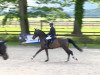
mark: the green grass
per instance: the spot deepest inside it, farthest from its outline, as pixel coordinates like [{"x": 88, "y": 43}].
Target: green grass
[
  {"x": 92, "y": 45},
  {"x": 86, "y": 41},
  {"x": 63, "y": 29},
  {"x": 88, "y": 45},
  {"x": 18, "y": 44},
  {"x": 12, "y": 43}
]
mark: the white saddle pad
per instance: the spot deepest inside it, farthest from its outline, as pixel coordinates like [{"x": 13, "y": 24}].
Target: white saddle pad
[{"x": 49, "y": 37}]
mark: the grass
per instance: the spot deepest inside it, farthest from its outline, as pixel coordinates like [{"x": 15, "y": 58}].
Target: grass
[
  {"x": 18, "y": 44},
  {"x": 12, "y": 43},
  {"x": 63, "y": 29},
  {"x": 89, "y": 41}
]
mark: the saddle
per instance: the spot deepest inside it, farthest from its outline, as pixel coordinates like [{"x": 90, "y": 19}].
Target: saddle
[
  {"x": 50, "y": 42},
  {"x": 50, "y": 39}
]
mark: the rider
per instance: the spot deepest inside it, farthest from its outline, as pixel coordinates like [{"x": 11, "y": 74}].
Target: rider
[{"x": 52, "y": 34}]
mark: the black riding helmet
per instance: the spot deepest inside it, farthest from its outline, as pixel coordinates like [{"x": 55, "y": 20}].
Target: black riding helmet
[{"x": 51, "y": 24}]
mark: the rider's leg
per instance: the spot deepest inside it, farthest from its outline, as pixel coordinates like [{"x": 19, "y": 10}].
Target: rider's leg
[
  {"x": 52, "y": 39},
  {"x": 47, "y": 44}
]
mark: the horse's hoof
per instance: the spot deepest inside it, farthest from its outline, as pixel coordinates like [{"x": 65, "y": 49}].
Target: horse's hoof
[
  {"x": 76, "y": 59},
  {"x": 67, "y": 61},
  {"x": 31, "y": 58},
  {"x": 46, "y": 60}
]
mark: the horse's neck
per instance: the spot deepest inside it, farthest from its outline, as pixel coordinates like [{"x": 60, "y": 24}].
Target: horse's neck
[
  {"x": 42, "y": 37},
  {"x": 42, "y": 40}
]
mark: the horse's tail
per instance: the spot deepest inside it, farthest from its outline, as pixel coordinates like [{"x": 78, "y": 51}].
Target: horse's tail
[{"x": 72, "y": 42}]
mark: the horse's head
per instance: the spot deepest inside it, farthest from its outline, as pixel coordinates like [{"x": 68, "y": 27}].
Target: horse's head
[
  {"x": 38, "y": 33},
  {"x": 35, "y": 34}
]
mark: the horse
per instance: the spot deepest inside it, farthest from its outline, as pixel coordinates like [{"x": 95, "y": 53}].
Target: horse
[
  {"x": 58, "y": 42},
  {"x": 3, "y": 52}
]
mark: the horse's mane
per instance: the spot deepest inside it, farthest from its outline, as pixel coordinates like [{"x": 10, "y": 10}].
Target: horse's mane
[{"x": 41, "y": 32}]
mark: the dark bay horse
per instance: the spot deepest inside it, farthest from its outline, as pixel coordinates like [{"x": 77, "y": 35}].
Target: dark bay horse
[
  {"x": 3, "y": 51},
  {"x": 58, "y": 42}
]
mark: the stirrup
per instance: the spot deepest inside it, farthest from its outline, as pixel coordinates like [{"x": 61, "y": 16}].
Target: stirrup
[{"x": 46, "y": 47}]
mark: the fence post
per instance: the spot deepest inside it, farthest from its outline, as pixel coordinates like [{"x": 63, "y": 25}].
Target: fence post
[{"x": 41, "y": 24}]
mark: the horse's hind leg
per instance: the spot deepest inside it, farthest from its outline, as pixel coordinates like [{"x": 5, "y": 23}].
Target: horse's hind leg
[
  {"x": 73, "y": 55},
  {"x": 68, "y": 51},
  {"x": 37, "y": 53}
]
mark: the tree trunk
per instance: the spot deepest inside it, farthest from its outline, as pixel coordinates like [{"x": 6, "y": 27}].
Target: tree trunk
[
  {"x": 78, "y": 17},
  {"x": 23, "y": 17},
  {"x": 77, "y": 28}
]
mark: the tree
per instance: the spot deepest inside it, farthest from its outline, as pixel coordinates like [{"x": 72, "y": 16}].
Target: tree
[
  {"x": 23, "y": 16},
  {"x": 79, "y": 11},
  {"x": 78, "y": 17},
  {"x": 22, "y": 5},
  {"x": 50, "y": 13}
]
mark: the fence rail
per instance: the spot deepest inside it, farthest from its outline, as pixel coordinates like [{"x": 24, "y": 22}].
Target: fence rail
[
  {"x": 63, "y": 25},
  {"x": 68, "y": 34},
  {"x": 32, "y": 22}
]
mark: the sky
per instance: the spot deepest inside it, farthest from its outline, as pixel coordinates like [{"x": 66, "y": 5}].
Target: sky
[{"x": 87, "y": 5}]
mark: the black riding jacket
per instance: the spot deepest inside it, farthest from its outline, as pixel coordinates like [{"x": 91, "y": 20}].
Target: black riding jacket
[{"x": 52, "y": 32}]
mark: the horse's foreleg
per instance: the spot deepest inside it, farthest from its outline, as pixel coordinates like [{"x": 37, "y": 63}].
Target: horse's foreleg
[
  {"x": 37, "y": 53},
  {"x": 46, "y": 50}
]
